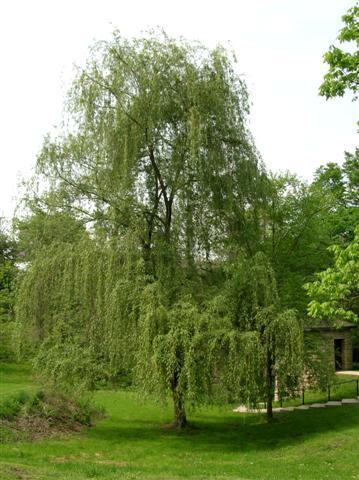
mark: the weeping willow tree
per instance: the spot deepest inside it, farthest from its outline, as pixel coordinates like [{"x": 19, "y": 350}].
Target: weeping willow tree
[
  {"x": 253, "y": 307},
  {"x": 157, "y": 150},
  {"x": 238, "y": 346}
]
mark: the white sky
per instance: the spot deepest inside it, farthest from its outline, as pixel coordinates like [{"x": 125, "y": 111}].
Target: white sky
[{"x": 278, "y": 43}]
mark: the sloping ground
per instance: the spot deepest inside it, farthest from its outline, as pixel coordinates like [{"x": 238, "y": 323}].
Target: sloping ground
[
  {"x": 131, "y": 443},
  {"x": 331, "y": 403}
]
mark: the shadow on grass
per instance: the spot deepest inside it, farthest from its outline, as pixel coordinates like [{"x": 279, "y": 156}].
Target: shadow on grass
[{"x": 232, "y": 434}]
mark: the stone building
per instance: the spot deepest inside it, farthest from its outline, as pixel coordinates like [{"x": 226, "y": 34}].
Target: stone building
[{"x": 340, "y": 343}]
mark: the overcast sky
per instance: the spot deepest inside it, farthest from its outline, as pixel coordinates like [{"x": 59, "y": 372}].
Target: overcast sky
[{"x": 279, "y": 46}]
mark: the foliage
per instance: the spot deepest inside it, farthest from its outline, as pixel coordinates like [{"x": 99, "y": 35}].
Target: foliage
[
  {"x": 92, "y": 322},
  {"x": 231, "y": 347},
  {"x": 11, "y": 406},
  {"x": 301, "y": 221},
  {"x": 43, "y": 414},
  {"x": 7, "y": 279},
  {"x": 335, "y": 293},
  {"x": 60, "y": 410},
  {"x": 160, "y": 164},
  {"x": 343, "y": 71},
  {"x": 7, "y": 244},
  {"x": 254, "y": 307},
  {"x": 42, "y": 228},
  {"x": 8, "y": 274},
  {"x": 296, "y": 234},
  {"x": 7, "y": 341},
  {"x": 340, "y": 185},
  {"x": 74, "y": 305},
  {"x": 160, "y": 144},
  {"x": 68, "y": 365}
]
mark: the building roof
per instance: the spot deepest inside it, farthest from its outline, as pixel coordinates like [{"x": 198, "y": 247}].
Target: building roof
[{"x": 311, "y": 324}]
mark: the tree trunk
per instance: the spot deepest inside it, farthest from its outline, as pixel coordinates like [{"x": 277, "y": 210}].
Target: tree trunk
[
  {"x": 269, "y": 407},
  {"x": 270, "y": 387},
  {"x": 180, "y": 419}
]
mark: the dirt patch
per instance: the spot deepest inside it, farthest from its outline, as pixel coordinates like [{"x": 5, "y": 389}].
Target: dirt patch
[
  {"x": 112, "y": 462},
  {"x": 32, "y": 428},
  {"x": 85, "y": 457},
  {"x": 69, "y": 458},
  {"x": 335, "y": 445},
  {"x": 19, "y": 473}
]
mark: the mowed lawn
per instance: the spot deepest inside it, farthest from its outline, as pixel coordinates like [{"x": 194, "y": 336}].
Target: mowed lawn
[
  {"x": 15, "y": 378},
  {"x": 132, "y": 442}
]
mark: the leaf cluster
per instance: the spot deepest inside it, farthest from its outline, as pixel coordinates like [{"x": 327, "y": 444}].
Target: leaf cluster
[
  {"x": 335, "y": 293},
  {"x": 343, "y": 71}
]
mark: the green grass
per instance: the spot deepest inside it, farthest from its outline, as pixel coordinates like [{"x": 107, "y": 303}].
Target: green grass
[
  {"x": 132, "y": 443},
  {"x": 15, "y": 378}
]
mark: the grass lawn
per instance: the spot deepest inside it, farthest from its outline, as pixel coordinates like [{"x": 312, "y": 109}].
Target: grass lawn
[
  {"x": 132, "y": 443},
  {"x": 15, "y": 378}
]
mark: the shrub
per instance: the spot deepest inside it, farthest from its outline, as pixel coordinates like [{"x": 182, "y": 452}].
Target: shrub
[
  {"x": 11, "y": 406},
  {"x": 44, "y": 414}
]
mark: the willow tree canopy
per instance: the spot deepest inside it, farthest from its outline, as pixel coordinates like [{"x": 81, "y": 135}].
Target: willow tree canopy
[{"x": 158, "y": 141}]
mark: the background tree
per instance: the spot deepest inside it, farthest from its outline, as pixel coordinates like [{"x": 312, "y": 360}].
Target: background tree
[
  {"x": 335, "y": 293},
  {"x": 343, "y": 74},
  {"x": 43, "y": 227},
  {"x": 296, "y": 235},
  {"x": 301, "y": 221},
  {"x": 339, "y": 184},
  {"x": 8, "y": 273}
]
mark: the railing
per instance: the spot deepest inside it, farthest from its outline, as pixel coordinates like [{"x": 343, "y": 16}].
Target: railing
[
  {"x": 342, "y": 383},
  {"x": 329, "y": 390}
]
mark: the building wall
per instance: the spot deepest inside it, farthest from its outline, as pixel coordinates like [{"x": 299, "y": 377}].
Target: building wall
[{"x": 347, "y": 352}]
